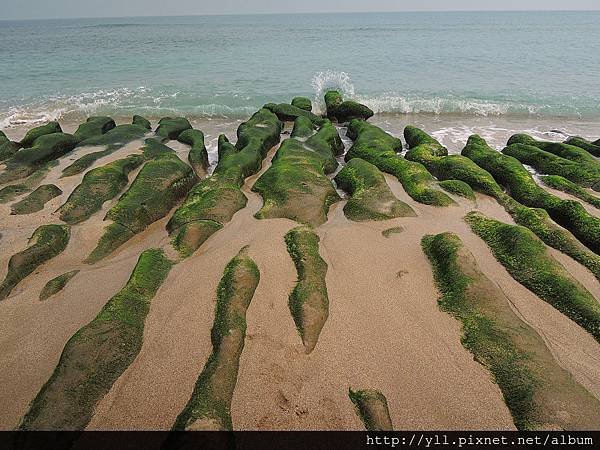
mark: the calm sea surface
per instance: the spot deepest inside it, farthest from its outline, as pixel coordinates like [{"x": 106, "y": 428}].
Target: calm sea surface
[{"x": 529, "y": 65}]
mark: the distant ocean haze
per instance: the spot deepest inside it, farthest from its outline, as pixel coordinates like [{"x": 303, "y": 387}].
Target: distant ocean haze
[{"x": 521, "y": 64}]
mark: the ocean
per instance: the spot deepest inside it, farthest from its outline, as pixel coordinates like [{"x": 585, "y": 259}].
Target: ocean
[{"x": 509, "y": 65}]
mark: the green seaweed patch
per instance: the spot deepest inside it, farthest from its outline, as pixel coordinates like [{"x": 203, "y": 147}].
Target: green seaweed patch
[
  {"x": 35, "y": 201},
  {"x": 302, "y": 103},
  {"x": 289, "y": 113},
  {"x": 8, "y": 149},
  {"x": 198, "y": 156},
  {"x": 209, "y": 407},
  {"x": 172, "y": 127},
  {"x": 46, "y": 242},
  {"x": 303, "y": 128},
  {"x": 388, "y": 233},
  {"x": 159, "y": 185},
  {"x": 379, "y": 148},
  {"x": 55, "y": 285},
  {"x": 98, "y": 354},
  {"x": 142, "y": 122},
  {"x": 98, "y": 186},
  {"x": 526, "y": 259},
  {"x": 566, "y": 151},
  {"x": 562, "y": 184},
  {"x": 94, "y": 126},
  {"x": 372, "y": 408},
  {"x": 308, "y": 302},
  {"x": 371, "y": 198},
  {"x": 10, "y": 192},
  {"x": 345, "y": 111},
  {"x": 458, "y": 187},
  {"x": 590, "y": 147},
  {"x": 31, "y": 136},
  {"x": 153, "y": 148}
]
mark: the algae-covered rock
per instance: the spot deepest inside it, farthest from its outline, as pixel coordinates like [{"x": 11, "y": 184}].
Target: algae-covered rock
[
  {"x": 46, "y": 148},
  {"x": 153, "y": 148},
  {"x": 590, "y": 147},
  {"x": 539, "y": 393},
  {"x": 34, "y": 133},
  {"x": 527, "y": 260},
  {"x": 566, "y": 151},
  {"x": 372, "y": 408},
  {"x": 509, "y": 172},
  {"x": 459, "y": 188},
  {"x": 7, "y": 147},
  {"x": 35, "y": 201},
  {"x": 302, "y": 103},
  {"x": 160, "y": 184},
  {"x": 94, "y": 126},
  {"x": 224, "y": 147},
  {"x": 198, "y": 156},
  {"x": 303, "y": 128},
  {"x": 289, "y": 113},
  {"x": 345, "y": 111},
  {"x": 371, "y": 197},
  {"x": 46, "y": 242},
  {"x": 98, "y": 186},
  {"x": 98, "y": 354},
  {"x": 172, "y": 127},
  {"x": 422, "y": 145},
  {"x": 55, "y": 285},
  {"x": 214, "y": 200},
  {"x": 562, "y": 184},
  {"x": 376, "y": 146},
  {"x": 209, "y": 407},
  {"x": 142, "y": 122}
]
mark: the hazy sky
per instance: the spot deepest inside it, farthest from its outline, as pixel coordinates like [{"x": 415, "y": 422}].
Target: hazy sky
[{"x": 36, "y": 9}]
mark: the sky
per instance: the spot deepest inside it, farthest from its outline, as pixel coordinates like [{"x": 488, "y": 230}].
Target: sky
[{"x": 45, "y": 9}]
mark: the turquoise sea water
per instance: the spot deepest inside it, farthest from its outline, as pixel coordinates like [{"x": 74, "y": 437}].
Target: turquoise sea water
[{"x": 540, "y": 64}]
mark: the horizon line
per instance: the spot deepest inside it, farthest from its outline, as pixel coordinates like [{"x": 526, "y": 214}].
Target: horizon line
[{"x": 302, "y": 13}]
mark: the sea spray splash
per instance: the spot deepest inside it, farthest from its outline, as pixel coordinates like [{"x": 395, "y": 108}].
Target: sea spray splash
[{"x": 329, "y": 80}]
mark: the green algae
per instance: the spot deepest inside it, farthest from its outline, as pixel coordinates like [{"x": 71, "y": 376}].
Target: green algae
[
  {"x": 7, "y": 148},
  {"x": 10, "y": 192},
  {"x": 562, "y": 184},
  {"x": 46, "y": 148},
  {"x": 371, "y": 197},
  {"x": 98, "y": 354},
  {"x": 525, "y": 257},
  {"x": 303, "y": 128},
  {"x": 31, "y": 136},
  {"x": 391, "y": 231},
  {"x": 537, "y": 391},
  {"x": 458, "y": 187},
  {"x": 172, "y": 127},
  {"x": 345, "y": 111},
  {"x": 55, "y": 285},
  {"x": 198, "y": 156},
  {"x": 141, "y": 122},
  {"x": 152, "y": 148},
  {"x": 372, "y": 408},
  {"x": 209, "y": 407},
  {"x": 35, "y": 201},
  {"x": 302, "y": 103},
  {"x": 590, "y": 147},
  {"x": 379, "y": 148},
  {"x": 98, "y": 186},
  {"x": 159, "y": 185},
  {"x": 289, "y": 113},
  {"x": 214, "y": 200},
  {"x": 296, "y": 186},
  {"x": 46, "y": 242},
  {"x": 566, "y": 151},
  {"x": 94, "y": 126},
  {"x": 509, "y": 172}
]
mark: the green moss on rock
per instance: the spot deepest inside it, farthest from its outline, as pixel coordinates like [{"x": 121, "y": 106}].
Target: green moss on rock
[
  {"x": 142, "y": 122},
  {"x": 303, "y": 128},
  {"x": 566, "y": 151},
  {"x": 55, "y": 285},
  {"x": 590, "y": 147},
  {"x": 7, "y": 148},
  {"x": 209, "y": 407},
  {"x": 214, "y": 200},
  {"x": 98, "y": 186},
  {"x": 509, "y": 172},
  {"x": 35, "y": 201},
  {"x": 94, "y": 126},
  {"x": 372, "y": 408},
  {"x": 526, "y": 259},
  {"x": 46, "y": 242},
  {"x": 198, "y": 156},
  {"x": 153, "y": 148},
  {"x": 539, "y": 393},
  {"x": 46, "y": 148},
  {"x": 345, "y": 111},
  {"x": 98, "y": 354},
  {"x": 308, "y": 302},
  {"x": 31, "y": 136},
  {"x": 289, "y": 113},
  {"x": 296, "y": 186},
  {"x": 172, "y": 127},
  {"x": 562, "y": 184},
  {"x": 159, "y": 185},
  {"x": 371, "y": 197},
  {"x": 302, "y": 103},
  {"x": 376, "y": 146},
  {"x": 459, "y": 188}
]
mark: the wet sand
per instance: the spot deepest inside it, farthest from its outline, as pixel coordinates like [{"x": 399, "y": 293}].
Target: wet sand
[{"x": 385, "y": 330}]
